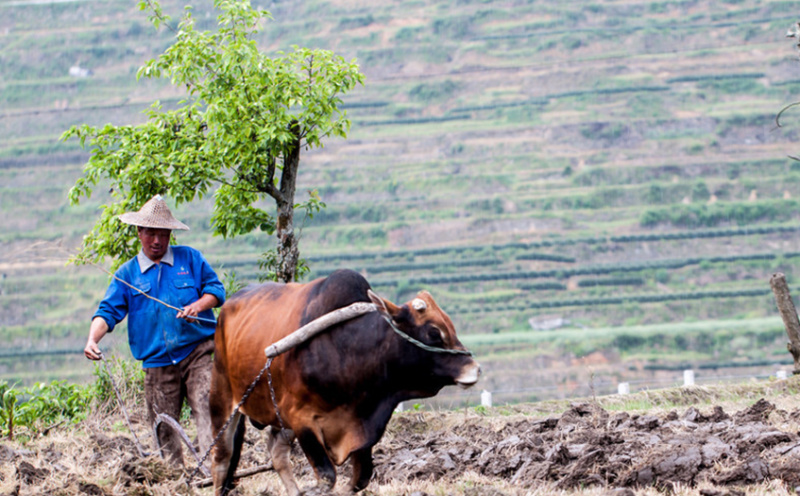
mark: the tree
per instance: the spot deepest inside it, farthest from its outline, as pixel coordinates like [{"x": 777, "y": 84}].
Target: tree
[{"x": 238, "y": 133}]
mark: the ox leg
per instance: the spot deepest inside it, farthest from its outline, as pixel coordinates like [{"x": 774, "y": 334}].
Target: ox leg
[
  {"x": 318, "y": 458},
  {"x": 361, "y": 461},
  {"x": 226, "y": 456},
  {"x": 279, "y": 442},
  {"x": 229, "y": 444}
]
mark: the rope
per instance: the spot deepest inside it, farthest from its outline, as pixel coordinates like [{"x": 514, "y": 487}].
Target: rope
[
  {"x": 98, "y": 266},
  {"x": 201, "y": 319},
  {"x": 422, "y": 345},
  {"x": 139, "y": 447}
]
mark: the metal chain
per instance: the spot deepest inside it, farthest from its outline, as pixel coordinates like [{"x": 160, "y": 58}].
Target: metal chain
[
  {"x": 227, "y": 424},
  {"x": 272, "y": 393}
]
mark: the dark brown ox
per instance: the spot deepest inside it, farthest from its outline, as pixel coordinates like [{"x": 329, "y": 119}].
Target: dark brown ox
[{"x": 335, "y": 392}]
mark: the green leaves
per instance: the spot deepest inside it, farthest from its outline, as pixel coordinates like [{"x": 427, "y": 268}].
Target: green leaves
[
  {"x": 8, "y": 406},
  {"x": 37, "y": 408},
  {"x": 234, "y": 214},
  {"x": 269, "y": 264}
]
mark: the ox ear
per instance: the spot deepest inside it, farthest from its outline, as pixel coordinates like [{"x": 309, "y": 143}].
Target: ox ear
[{"x": 385, "y": 307}]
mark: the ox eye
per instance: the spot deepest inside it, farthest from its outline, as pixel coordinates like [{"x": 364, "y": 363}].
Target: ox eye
[{"x": 436, "y": 335}]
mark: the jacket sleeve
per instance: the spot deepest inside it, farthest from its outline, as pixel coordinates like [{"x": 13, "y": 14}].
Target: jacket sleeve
[
  {"x": 209, "y": 282},
  {"x": 114, "y": 306}
]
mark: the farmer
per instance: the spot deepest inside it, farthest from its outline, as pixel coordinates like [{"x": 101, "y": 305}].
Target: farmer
[{"x": 175, "y": 349}]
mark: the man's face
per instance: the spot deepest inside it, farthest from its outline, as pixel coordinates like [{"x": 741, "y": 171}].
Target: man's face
[{"x": 154, "y": 242}]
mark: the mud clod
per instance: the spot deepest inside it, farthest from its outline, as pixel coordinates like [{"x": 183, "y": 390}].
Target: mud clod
[
  {"x": 758, "y": 412},
  {"x": 29, "y": 474},
  {"x": 90, "y": 489}
]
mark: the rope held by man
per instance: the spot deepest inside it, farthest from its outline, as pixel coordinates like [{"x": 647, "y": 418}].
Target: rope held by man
[{"x": 131, "y": 286}]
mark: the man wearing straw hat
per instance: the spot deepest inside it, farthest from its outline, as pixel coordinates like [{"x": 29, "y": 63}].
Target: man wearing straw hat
[{"x": 174, "y": 347}]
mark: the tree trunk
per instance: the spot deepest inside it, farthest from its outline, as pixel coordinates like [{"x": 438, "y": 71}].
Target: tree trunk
[
  {"x": 789, "y": 314},
  {"x": 288, "y": 252}
]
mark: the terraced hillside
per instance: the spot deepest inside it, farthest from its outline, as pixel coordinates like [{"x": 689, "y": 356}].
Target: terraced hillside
[{"x": 609, "y": 164}]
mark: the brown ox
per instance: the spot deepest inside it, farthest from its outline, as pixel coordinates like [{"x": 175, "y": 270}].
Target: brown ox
[{"x": 336, "y": 392}]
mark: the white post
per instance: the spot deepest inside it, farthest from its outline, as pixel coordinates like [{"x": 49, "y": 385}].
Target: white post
[
  {"x": 486, "y": 399},
  {"x": 624, "y": 388},
  {"x": 688, "y": 377},
  {"x": 781, "y": 374}
]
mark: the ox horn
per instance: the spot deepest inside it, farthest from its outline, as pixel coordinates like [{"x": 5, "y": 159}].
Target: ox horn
[{"x": 419, "y": 305}]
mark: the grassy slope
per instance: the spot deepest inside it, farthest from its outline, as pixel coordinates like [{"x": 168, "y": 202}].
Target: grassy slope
[{"x": 480, "y": 126}]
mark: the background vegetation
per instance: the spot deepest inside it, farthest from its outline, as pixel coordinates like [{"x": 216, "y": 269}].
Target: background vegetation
[{"x": 614, "y": 165}]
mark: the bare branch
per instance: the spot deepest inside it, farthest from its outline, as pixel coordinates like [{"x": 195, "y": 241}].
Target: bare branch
[{"x": 275, "y": 193}]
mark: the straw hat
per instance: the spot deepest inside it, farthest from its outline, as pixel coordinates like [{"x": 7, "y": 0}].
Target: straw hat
[{"x": 154, "y": 213}]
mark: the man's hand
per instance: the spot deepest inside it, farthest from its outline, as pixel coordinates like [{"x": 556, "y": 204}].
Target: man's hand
[
  {"x": 97, "y": 330},
  {"x": 92, "y": 351},
  {"x": 191, "y": 310}
]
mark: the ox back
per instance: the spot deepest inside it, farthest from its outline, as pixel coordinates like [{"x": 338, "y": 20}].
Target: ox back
[{"x": 336, "y": 392}]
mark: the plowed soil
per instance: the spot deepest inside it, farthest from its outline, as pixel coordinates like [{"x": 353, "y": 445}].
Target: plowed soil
[
  {"x": 585, "y": 446},
  {"x": 590, "y": 446}
]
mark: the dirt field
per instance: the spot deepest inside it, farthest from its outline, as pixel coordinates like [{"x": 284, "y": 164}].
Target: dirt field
[{"x": 750, "y": 446}]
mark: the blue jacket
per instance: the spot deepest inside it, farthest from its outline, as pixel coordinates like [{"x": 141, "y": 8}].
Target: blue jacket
[{"x": 156, "y": 337}]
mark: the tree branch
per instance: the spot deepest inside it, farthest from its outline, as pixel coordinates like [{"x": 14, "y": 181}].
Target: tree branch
[
  {"x": 161, "y": 17},
  {"x": 242, "y": 179},
  {"x": 275, "y": 193}
]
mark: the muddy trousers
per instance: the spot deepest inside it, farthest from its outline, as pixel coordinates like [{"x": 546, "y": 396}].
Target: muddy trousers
[{"x": 165, "y": 388}]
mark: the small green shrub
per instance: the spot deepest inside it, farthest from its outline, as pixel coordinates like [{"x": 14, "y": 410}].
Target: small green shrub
[
  {"x": 430, "y": 92},
  {"x": 41, "y": 406},
  {"x": 452, "y": 27},
  {"x": 128, "y": 377},
  {"x": 604, "y": 131},
  {"x": 356, "y": 22},
  {"x": 481, "y": 410},
  {"x": 700, "y": 192},
  {"x": 741, "y": 213}
]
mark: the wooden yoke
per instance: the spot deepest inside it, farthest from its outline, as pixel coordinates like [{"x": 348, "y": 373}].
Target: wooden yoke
[
  {"x": 789, "y": 314},
  {"x": 316, "y": 326}
]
